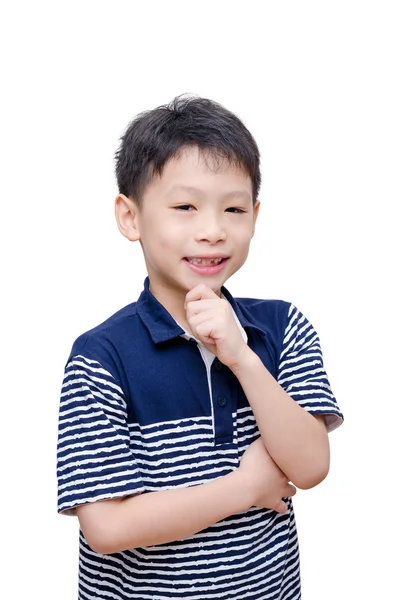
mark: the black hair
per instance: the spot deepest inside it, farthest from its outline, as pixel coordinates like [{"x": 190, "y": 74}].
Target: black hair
[{"x": 156, "y": 136}]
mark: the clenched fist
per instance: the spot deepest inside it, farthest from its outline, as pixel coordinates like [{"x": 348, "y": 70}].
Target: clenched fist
[{"x": 212, "y": 322}]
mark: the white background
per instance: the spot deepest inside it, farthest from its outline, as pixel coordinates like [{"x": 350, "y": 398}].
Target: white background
[{"x": 316, "y": 84}]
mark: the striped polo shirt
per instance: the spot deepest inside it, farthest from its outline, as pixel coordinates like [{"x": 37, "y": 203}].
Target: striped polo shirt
[{"x": 144, "y": 408}]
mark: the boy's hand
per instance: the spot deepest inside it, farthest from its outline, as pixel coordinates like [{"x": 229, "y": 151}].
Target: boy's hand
[
  {"x": 212, "y": 322},
  {"x": 265, "y": 482}
]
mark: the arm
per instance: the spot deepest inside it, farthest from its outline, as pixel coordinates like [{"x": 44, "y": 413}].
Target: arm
[
  {"x": 160, "y": 517},
  {"x": 296, "y": 440}
]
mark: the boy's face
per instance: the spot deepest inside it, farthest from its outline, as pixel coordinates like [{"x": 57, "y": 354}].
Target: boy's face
[{"x": 195, "y": 225}]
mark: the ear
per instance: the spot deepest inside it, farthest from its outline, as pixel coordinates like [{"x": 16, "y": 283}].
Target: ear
[
  {"x": 127, "y": 214},
  {"x": 256, "y": 212}
]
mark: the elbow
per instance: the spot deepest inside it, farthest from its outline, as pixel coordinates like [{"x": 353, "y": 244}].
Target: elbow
[
  {"x": 312, "y": 477},
  {"x": 98, "y": 545},
  {"x": 105, "y": 539},
  {"x": 310, "y": 481},
  {"x": 316, "y": 468},
  {"x": 99, "y": 540},
  {"x": 99, "y": 525},
  {"x": 105, "y": 542}
]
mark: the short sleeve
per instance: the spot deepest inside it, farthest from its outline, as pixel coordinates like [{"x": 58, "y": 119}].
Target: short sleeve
[
  {"x": 301, "y": 370},
  {"x": 94, "y": 459}
]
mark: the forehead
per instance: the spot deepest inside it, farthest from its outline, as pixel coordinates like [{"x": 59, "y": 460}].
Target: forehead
[{"x": 205, "y": 171}]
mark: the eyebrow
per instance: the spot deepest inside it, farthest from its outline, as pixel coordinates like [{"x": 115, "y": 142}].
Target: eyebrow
[{"x": 193, "y": 191}]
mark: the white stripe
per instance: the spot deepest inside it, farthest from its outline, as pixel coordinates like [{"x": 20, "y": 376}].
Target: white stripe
[
  {"x": 316, "y": 392},
  {"x": 100, "y": 486},
  {"x": 175, "y": 448},
  {"x": 313, "y": 382},
  {"x": 326, "y": 407},
  {"x": 79, "y": 426},
  {"x": 113, "y": 401},
  {"x": 296, "y": 359},
  {"x": 76, "y": 472},
  {"x": 86, "y": 444},
  {"x": 109, "y": 459},
  {"x": 65, "y": 418},
  {"x": 184, "y": 456},
  {"x": 87, "y": 434},
  {"x": 313, "y": 372},
  {"x": 249, "y": 418},
  {"x": 83, "y": 362},
  {"x": 294, "y": 326},
  {"x": 81, "y": 405},
  {"x": 100, "y": 371},
  {"x": 194, "y": 475},
  {"x": 70, "y": 383},
  {"x": 300, "y": 367},
  {"x": 250, "y": 437},
  {"x": 69, "y": 505},
  {"x": 244, "y": 410},
  {"x": 170, "y": 432},
  {"x": 86, "y": 480},
  {"x": 103, "y": 449},
  {"x": 232, "y": 462},
  {"x": 164, "y": 424}
]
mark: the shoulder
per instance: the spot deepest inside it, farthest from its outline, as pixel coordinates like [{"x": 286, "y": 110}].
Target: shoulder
[
  {"x": 105, "y": 343},
  {"x": 272, "y": 315},
  {"x": 262, "y": 307},
  {"x": 116, "y": 326},
  {"x": 282, "y": 321}
]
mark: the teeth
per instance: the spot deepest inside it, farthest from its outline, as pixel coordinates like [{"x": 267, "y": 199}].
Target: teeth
[{"x": 205, "y": 261}]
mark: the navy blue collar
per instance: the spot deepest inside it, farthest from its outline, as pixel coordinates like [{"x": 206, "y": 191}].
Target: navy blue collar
[{"x": 163, "y": 327}]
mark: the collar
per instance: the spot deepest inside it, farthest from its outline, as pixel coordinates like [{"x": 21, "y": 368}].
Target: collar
[{"x": 163, "y": 327}]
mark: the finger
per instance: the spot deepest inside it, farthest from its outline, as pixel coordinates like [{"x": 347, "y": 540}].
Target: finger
[
  {"x": 194, "y": 307},
  {"x": 281, "y": 507},
  {"x": 291, "y": 491},
  {"x": 204, "y": 328},
  {"x": 200, "y": 292},
  {"x": 204, "y": 317},
  {"x": 206, "y": 333}
]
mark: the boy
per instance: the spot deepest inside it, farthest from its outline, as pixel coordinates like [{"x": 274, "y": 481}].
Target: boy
[{"x": 188, "y": 417}]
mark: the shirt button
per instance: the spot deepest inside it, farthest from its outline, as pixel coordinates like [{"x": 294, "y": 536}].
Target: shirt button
[
  {"x": 218, "y": 365},
  {"x": 222, "y": 401}
]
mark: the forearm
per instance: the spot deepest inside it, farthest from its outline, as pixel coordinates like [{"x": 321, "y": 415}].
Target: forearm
[
  {"x": 296, "y": 440},
  {"x": 161, "y": 517}
]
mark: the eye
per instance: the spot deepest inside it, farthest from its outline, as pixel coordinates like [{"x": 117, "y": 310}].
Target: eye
[
  {"x": 184, "y": 207},
  {"x": 238, "y": 211}
]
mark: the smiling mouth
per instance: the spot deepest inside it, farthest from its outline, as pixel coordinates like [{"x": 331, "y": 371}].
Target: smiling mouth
[{"x": 205, "y": 261}]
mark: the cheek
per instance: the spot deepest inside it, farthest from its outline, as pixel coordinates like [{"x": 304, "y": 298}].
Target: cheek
[
  {"x": 244, "y": 246},
  {"x": 174, "y": 234},
  {"x": 243, "y": 237},
  {"x": 170, "y": 238}
]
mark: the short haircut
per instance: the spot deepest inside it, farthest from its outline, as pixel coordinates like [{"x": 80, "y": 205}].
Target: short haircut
[{"x": 156, "y": 136}]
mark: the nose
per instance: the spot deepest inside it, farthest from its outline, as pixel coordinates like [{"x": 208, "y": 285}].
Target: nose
[{"x": 210, "y": 229}]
